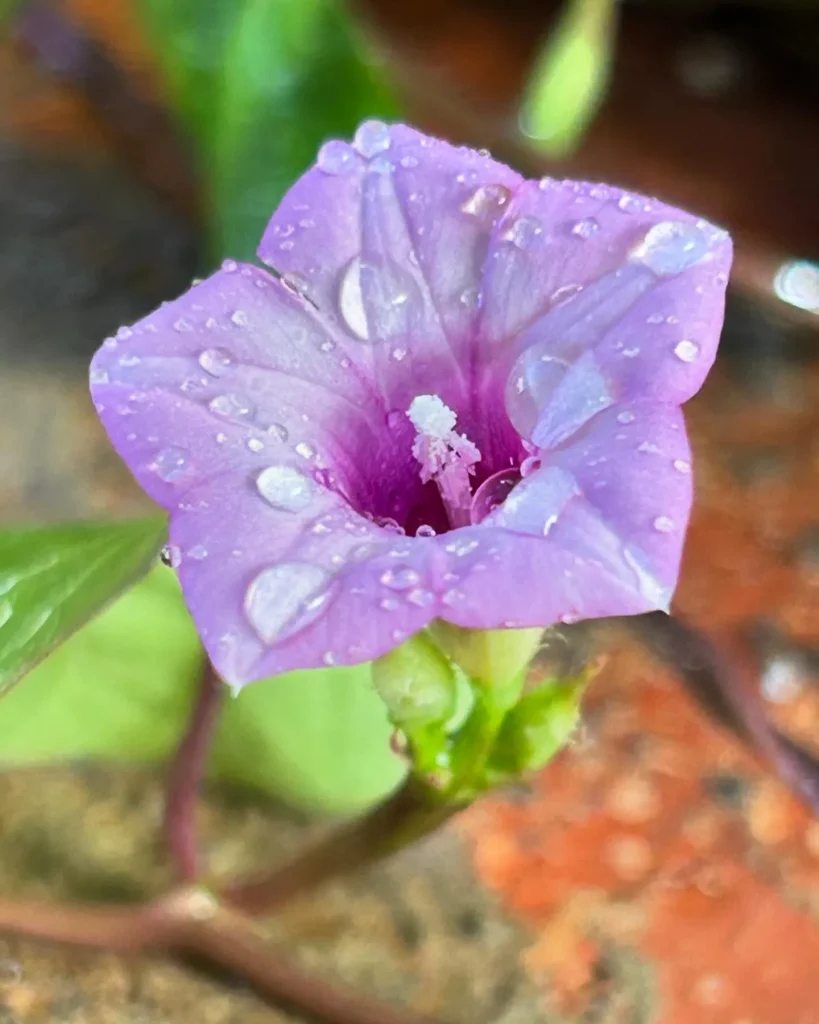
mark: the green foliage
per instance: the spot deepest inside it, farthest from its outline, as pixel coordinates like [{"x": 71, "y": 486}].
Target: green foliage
[
  {"x": 122, "y": 687},
  {"x": 53, "y": 579},
  {"x": 260, "y": 85},
  {"x": 570, "y": 76}
]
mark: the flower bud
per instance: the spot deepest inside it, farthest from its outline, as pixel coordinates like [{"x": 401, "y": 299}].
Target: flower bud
[{"x": 417, "y": 683}]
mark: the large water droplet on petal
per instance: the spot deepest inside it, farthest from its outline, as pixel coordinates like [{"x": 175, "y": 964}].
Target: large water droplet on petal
[
  {"x": 524, "y": 233},
  {"x": 493, "y": 492},
  {"x": 171, "y": 464},
  {"x": 216, "y": 361},
  {"x": 535, "y": 376},
  {"x": 372, "y": 138},
  {"x": 687, "y": 351},
  {"x": 336, "y": 157},
  {"x": 232, "y": 407},
  {"x": 286, "y": 598},
  {"x": 671, "y": 247},
  {"x": 401, "y": 578},
  {"x": 286, "y": 488},
  {"x": 351, "y": 302},
  {"x": 487, "y": 202}
]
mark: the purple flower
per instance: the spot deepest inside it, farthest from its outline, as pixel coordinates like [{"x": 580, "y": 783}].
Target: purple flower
[{"x": 456, "y": 396}]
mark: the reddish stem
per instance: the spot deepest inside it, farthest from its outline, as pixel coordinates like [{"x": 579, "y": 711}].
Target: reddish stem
[{"x": 186, "y": 772}]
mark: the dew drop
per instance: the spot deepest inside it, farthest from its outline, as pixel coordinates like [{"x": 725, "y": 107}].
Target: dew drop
[
  {"x": 462, "y": 546},
  {"x": 351, "y": 302},
  {"x": 682, "y": 466},
  {"x": 216, "y": 361},
  {"x": 401, "y": 578},
  {"x": 671, "y": 247},
  {"x": 279, "y": 431},
  {"x": 285, "y": 598},
  {"x": 530, "y": 465},
  {"x": 408, "y": 162},
  {"x": 182, "y": 325},
  {"x": 469, "y": 297},
  {"x": 687, "y": 351},
  {"x": 372, "y": 138},
  {"x": 240, "y": 318},
  {"x": 655, "y": 318},
  {"x": 524, "y": 233},
  {"x": 232, "y": 407},
  {"x": 327, "y": 345},
  {"x": 486, "y": 202},
  {"x": 452, "y": 597},
  {"x": 625, "y": 416},
  {"x": 98, "y": 376},
  {"x": 198, "y": 552},
  {"x": 285, "y": 488},
  {"x": 629, "y": 204},
  {"x": 631, "y": 353},
  {"x": 170, "y": 464},
  {"x": 399, "y": 354},
  {"x": 586, "y": 228},
  {"x": 425, "y": 531},
  {"x": 305, "y": 450},
  {"x": 171, "y": 556},
  {"x": 229, "y": 266},
  {"x": 420, "y": 597},
  {"x": 124, "y": 333},
  {"x": 648, "y": 448},
  {"x": 336, "y": 157},
  {"x": 255, "y": 445},
  {"x": 389, "y": 604},
  {"x": 663, "y": 524}
]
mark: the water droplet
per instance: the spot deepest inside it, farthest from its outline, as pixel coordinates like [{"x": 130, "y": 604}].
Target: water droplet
[
  {"x": 285, "y": 598},
  {"x": 240, "y": 318},
  {"x": 531, "y": 464},
  {"x": 327, "y": 345},
  {"x": 663, "y": 524},
  {"x": 351, "y": 302},
  {"x": 631, "y": 353},
  {"x": 305, "y": 450},
  {"x": 229, "y": 266},
  {"x": 408, "y": 162},
  {"x": 462, "y": 546},
  {"x": 401, "y": 578},
  {"x": 171, "y": 556},
  {"x": 170, "y": 464},
  {"x": 198, "y": 552},
  {"x": 336, "y": 157},
  {"x": 399, "y": 354},
  {"x": 232, "y": 407},
  {"x": 625, "y": 416},
  {"x": 285, "y": 488},
  {"x": 682, "y": 466},
  {"x": 255, "y": 445},
  {"x": 372, "y": 138},
  {"x": 586, "y": 228},
  {"x": 425, "y": 531},
  {"x": 452, "y": 597},
  {"x": 389, "y": 604},
  {"x": 98, "y": 376},
  {"x": 524, "y": 233},
  {"x": 469, "y": 297},
  {"x": 687, "y": 351},
  {"x": 655, "y": 318},
  {"x": 671, "y": 247},
  {"x": 279, "y": 431},
  {"x": 182, "y": 325},
  {"x": 486, "y": 202},
  {"x": 648, "y": 448},
  {"x": 420, "y": 597},
  {"x": 629, "y": 204},
  {"x": 216, "y": 361}
]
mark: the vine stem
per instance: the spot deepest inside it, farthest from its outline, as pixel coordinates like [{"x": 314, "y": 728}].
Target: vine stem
[
  {"x": 186, "y": 772},
  {"x": 191, "y": 921},
  {"x": 411, "y": 813}
]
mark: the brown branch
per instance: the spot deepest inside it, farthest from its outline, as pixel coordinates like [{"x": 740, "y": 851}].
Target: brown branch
[
  {"x": 190, "y": 921},
  {"x": 186, "y": 772},
  {"x": 408, "y": 815}
]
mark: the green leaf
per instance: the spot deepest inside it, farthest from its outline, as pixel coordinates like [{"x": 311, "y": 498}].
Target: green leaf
[
  {"x": 571, "y": 76},
  {"x": 294, "y": 75},
  {"x": 122, "y": 687},
  {"x": 189, "y": 38},
  {"x": 53, "y": 579}
]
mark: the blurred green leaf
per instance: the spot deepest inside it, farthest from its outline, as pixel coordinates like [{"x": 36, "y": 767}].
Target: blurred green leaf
[
  {"x": 121, "y": 690},
  {"x": 189, "y": 39},
  {"x": 570, "y": 76},
  {"x": 294, "y": 76},
  {"x": 53, "y": 579}
]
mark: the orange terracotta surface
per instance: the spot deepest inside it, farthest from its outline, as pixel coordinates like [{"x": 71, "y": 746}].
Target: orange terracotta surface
[{"x": 656, "y": 836}]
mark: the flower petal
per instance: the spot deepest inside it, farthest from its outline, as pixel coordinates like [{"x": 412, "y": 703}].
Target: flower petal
[
  {"x": 391, "y": 234},
  {"x": 586, "y": 272}
]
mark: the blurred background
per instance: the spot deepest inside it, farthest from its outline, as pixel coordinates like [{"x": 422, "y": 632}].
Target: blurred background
[{"x": 655, "y": 872}]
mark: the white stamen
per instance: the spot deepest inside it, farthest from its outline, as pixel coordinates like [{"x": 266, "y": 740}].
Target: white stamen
[{"x": 445, "y": 456}]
